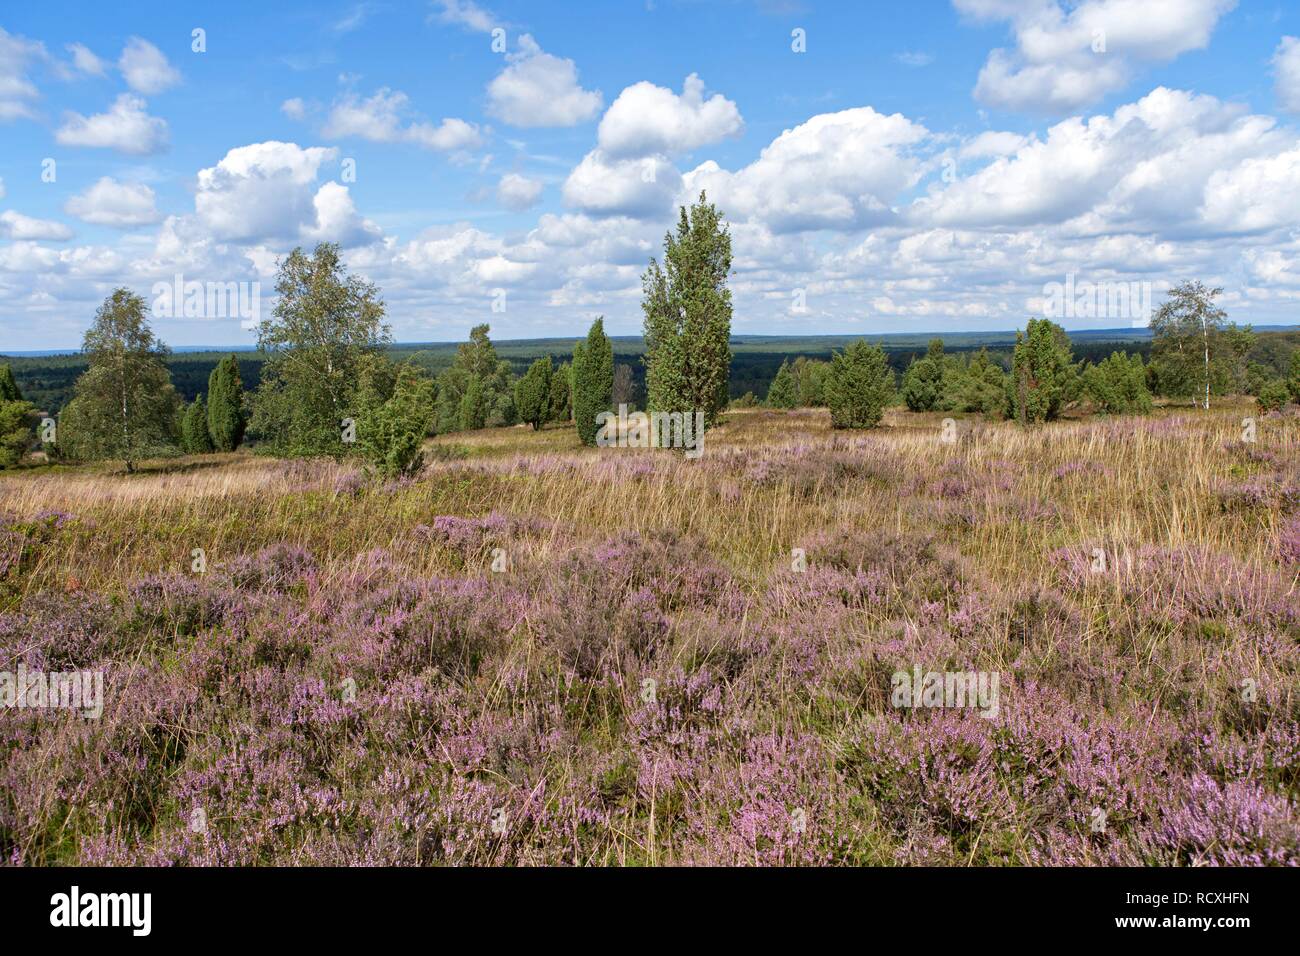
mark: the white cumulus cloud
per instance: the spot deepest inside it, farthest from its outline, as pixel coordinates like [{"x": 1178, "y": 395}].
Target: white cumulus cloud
[
  {"x": 85, "y": 61},
  {"x": 518, "y": 192},
  {"x": 111, "y": 203},
  {"x": 18, "y": 93},
  {"x": 538, "y": 89},
  {"x": 126, "y": 127},
  {"x": 268, "y": 190},
  {"x": 383, "y": 118},
  {"x": 639, "y": 188},
  {"x": 1286, "y": 73},
  {"x": 1069, "y": 55},
  {"x": 835, "y": 171},
  {"x": 16, "y": 226},
  {"x": 647, "y": 119},
  {"x": 145, "y": 68}
]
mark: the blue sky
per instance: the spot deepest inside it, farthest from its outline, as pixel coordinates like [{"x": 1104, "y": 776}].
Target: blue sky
[{"x": 919, "y": 166}]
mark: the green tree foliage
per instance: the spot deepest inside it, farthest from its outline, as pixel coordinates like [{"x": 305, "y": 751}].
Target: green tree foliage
[
  {"x": 980, "y": 385},
  {"x": 9, "y": 391},
  {"x": 325, "y": 326},
  {"x": 783, "y": 392},
  {"x": 195, "y": 439},
  {"x": 226, "y": 405},
  {"x": 1293, "y": 379},
  {"x": 859, "y": 386},
  {"x": 17, "y": 420},
  {"x": 17, "y": 431},
  {"x": 533, "y": 393},
  {"x": 810, "y": 381},
  {"x": 923, "y": 382},
  {"x": 397, "y": 409},
  {"x": 687, "y": 308},
  {"x": 593, "y": 380},
  {"x": 1043, "y": 375},
  {"x": 1195, "y": 350},
  {"x": 562, "y": 393},
  {"x": 477, "y": 391},
  {"x": 473, "y": 407},
  {"x": 1118, "y": 384},
  {"x": 127, "y": 408},
  {"x": 1273, "y": 396}
]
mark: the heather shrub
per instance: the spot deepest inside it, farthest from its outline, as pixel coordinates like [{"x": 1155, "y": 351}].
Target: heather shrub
[
  {"x": 1288, "y": 542},
  {"x": 1232, "y": 824}
]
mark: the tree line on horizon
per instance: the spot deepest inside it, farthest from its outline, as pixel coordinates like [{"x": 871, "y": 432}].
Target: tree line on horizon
[
  {"x": 1195, "y": 354},
  {"x": 328, "y": 387}
]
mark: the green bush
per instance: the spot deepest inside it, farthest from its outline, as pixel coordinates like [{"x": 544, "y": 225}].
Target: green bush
[
  {"x": 1043, "y": 375},
  {"x": 390, "y": 432},
  {"x": 1118, "y": 384},
  {"x": 859, "y": 386},
  {"x": 923, "y": 380},
  {"x": 562, "y": 393},
  {"x": 782, "y": 392},
  {"x": 978, "y": 386},
  {"x": 195, "y": 439},
  {"x": 1273, "y": 396},
  {"x": 533, "y": 394}
]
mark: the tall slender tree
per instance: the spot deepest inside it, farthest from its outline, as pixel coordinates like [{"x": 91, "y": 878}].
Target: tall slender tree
[
  {"x": 687, "y": 308},
  {"x": 593, "y": 380},
  {"x": 226, "y": 405}
]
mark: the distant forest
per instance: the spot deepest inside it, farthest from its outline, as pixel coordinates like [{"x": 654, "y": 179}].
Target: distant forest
[{"x": 47, "y": 380}]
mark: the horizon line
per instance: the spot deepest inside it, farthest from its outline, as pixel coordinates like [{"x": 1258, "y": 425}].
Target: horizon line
[{"x": 1138, "y": 330}]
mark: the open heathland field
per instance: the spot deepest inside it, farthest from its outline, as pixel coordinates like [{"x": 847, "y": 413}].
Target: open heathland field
[{"x": 536, "y": 652}]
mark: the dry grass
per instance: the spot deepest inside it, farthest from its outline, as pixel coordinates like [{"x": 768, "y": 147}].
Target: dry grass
[{"x": 1155, "y": 485}]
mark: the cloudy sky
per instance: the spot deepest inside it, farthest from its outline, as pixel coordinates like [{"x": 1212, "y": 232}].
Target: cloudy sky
[{"x": 921, "y": 166}]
